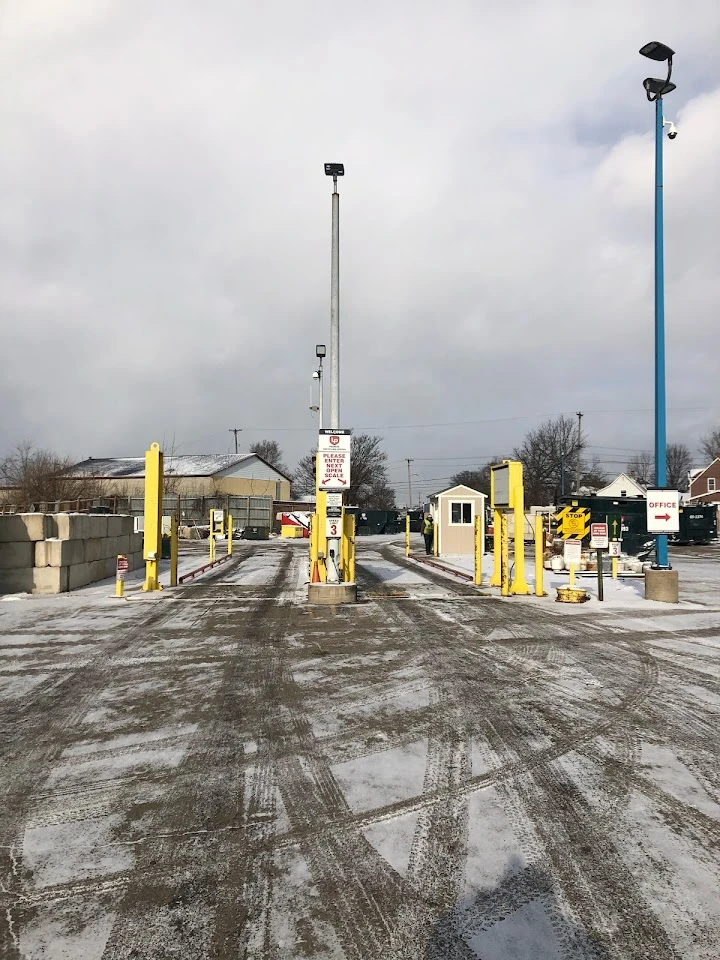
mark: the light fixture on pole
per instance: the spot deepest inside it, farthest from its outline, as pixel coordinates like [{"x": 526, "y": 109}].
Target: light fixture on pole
[
  {"x": 320, "y": 352},
  {"x": 655, "y": 90}
]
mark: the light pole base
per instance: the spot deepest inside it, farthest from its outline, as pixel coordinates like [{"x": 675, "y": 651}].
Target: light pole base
[
  {"x": 662, "y": 585},
  {"x": 332, "y": 593}
]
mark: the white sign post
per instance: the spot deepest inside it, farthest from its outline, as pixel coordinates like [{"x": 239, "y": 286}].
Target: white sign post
[
  {"x": 334, "y": 450},
  {"x": 663, "y": 511}
]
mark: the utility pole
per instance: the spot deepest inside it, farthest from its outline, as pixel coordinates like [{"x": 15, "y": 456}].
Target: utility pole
[
  {"x": 578, "y": 465},
  {"x": 410, "y": 499},
  {"x": 335, "y": 310},
  {"x": 236, "y": 431}
]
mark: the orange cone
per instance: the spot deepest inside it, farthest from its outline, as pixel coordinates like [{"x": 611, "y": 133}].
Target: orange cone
[{"x": 315, "y": 573}]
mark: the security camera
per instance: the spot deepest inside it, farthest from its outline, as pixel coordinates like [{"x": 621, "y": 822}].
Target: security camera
[
  {"x": 672, "y": 131},
  {"x": 316, "y": 374}
]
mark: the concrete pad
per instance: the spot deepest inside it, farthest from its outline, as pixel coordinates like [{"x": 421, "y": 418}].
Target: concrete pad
[
  {"x": 14, "y": 555},
  {"x": 23, "y": 527},
  {"x": 50, "y": 579},
  {"x": 662, "y": 585},
  {"x": 17, "y": 581},
  {"x": 332, "y": 593}
]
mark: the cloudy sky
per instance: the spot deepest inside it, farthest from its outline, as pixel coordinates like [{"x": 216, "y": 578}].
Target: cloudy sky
[{"x": 165, "y": 222}]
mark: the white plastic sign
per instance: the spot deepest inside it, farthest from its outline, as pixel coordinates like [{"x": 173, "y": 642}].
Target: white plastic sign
[
  {"x": 572, "y": 551},
  {"x": 598, "y": 536},
  {"x": 122, "y": 566},
  {"x": 334, "y": 451},
  {"x": 334, "y": 499},
  {"x": 333, "y": 526},
  {"x": 615, "y": 547},
  {"x": 663, "y": 511}
]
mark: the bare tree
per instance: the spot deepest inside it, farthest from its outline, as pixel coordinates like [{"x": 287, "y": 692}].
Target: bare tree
[
  {"x": 33, "y": 476},
  {"x": 270, "y": 450},
  {"x": 369, "y": 487},
  {"x": 476, "y": 479},
  {"x": 710, "y": 445},
  {"x": 679, "y": 461},
  {"x": 641, "y": 467},
  {"x": 542, "y": 454}
]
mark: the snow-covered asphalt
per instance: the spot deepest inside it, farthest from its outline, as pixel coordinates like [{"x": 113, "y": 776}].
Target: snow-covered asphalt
[{"x": 223, "y": 771}]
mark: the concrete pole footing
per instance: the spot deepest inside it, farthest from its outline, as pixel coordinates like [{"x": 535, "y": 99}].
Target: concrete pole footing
[
  {"x": 332, "y": 593},
  {"x": 662, "y": 585}
]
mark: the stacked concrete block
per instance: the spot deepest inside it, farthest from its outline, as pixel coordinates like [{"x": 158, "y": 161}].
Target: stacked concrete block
[{"x": 44, "y": 553}]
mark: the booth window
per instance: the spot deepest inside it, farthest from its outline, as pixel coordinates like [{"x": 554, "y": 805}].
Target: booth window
[{"x": 461, "y": 512}]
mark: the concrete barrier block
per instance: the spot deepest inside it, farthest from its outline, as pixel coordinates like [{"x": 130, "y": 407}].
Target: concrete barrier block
[
  {"x": 136, "y": 560},
  {"x": 79, "y": 575},
  {"x": 59, "y": 553},
  {"x": 136, "y": 543},
  {"x": 50, "y": 579},
  {"x": 14, "y": 555},
  {"x": 95, "y": 549},
  {"x": 115, "y": 526},
  {"x": 73, "y": 526},
  {"x": 128, "y": 526},
  {"x": 16, "y": 581},
  {"x": 23, "y": 527},
  {"x": 98, "y": 525},
  {"x": 122, "y": 545}
]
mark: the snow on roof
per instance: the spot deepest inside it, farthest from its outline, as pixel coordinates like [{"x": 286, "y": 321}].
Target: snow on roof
[{"x": 192, "y": 465}]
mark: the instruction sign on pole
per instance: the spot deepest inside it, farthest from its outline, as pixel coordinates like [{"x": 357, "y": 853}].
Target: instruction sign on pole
[
  {"x": 599, "y": 536},
  {"x": 663, "y": 511},
  {"x": 572, "y": 552},
  {"x": 334, "y": 500},
  {"x": 334, "y": 450}
]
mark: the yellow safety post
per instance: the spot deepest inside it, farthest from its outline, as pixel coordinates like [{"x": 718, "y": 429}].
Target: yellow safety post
[
  {"x": 173, "y": 551},
  {"x": 614, "y": 568},
  {"x": 321, "y": 517},
  {"x": 407, "y": 535},
  {"x": 350, "y": 520},
  {"x": 152, "y": 541},
  {"x": 478, "y": 550},
  {"x": 496, "y": 578},
  {"x": 517, "y": 494},
  {"x": 539, "y": 556},
  {"x": 230, "y": 533},
  {"x": 212, "y": 546},
  {"x": 571, "y": 581},
  {"x": 504, "y": 556},
  {"x": 313, "y": 543},
  {"x": 435, "y": 539}
]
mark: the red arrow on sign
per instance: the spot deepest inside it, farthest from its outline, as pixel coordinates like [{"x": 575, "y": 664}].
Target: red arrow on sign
[{"x": 662, "y": 516}]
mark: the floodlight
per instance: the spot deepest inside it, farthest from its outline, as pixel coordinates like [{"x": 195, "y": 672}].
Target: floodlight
[
  {"x": 657, "y": 88},
  {"x": 334, "y": 170},
  {"x": 320, "y": 350},
  {"x": 657, "y": 51}
]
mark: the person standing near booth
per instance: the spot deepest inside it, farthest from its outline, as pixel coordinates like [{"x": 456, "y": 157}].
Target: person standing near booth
[{"x": 428, "y": 531}]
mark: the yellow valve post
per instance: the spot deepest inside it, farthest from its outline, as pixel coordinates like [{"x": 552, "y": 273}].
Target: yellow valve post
[
  {"x": 230, "y": 533},
  {"x": 571, "y": 581},
  {"x": 539, "y": 556},
  {"x": 504, "y": 556},
  {"x": 614, "y": 568},
  {"x": 152, "y": 541},
  {"x": 173, "y": 551},
  {"x": 478, "y": 550},
  {"x": 496, "y": 578},
  {"x": 407, "y": 535}
]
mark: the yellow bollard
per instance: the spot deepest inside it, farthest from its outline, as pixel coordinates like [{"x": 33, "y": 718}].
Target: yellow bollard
[
  {"x": 496, "y": 578},
  {"x": 230, "y": 533},
  {"x": 152, "y": 542},
  {"x": 407, "y": 535},
  {"x": 435, "y": 539},
  {"x": 539, "y": 584},
  {"x": 519, "y": 584},
  {"x": 614, "y": 568},
  {"x": 350, "y": 548},
  {"x": 478, "y": 550},
  {"x": 571, "y": 581},
  {"x": 504, "y": 556},
  {"x": 212, "y": 546},
  {"x": 173, "y": 551}
]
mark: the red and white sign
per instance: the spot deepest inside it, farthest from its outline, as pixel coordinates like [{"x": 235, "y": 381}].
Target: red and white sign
[
  {"x": 121, "y": 568},
  {"x": 615, "y": 548},
  {"x": 663, "y": 511},
  {"x": 333, "y": 528},
  {"x": 599, "y": 536},
  {"x": 334, "y": 450}
]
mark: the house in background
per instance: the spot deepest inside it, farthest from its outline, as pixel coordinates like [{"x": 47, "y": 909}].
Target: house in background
[
  {"x": 705, "y": 484},
  {"x": 454, "y": 511},
  {"x": 623, "y": 486},
  {"x": 235, "y": 475}
]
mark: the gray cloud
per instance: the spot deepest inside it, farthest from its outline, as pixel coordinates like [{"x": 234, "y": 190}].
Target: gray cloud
[{"x": 164, "y": 222}]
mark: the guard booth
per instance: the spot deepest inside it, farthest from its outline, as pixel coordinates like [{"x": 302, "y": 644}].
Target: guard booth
[{"x": 453, "y": 512}]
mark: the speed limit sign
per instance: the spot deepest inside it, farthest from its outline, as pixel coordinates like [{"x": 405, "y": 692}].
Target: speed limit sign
[{"x": 333, "y": 526}]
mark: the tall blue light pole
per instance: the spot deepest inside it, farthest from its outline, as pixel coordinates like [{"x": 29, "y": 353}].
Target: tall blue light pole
[{"x": 656, "y": 90}]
